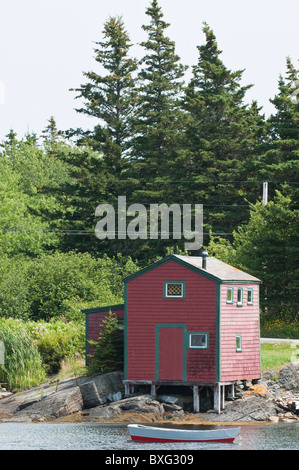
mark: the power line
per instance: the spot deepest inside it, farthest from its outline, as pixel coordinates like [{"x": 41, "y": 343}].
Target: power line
[
  {"x": 90, "y": 178},
  {"x": 90, "y": 232}
]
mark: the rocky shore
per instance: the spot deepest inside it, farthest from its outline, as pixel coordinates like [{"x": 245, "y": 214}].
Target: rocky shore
[{"x": 101, "y": 398}]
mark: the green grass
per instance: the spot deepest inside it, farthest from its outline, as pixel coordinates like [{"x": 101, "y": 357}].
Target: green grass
[
  {"x": 23, "y": 367},
  {"x": 276, "y": 355},
  {"x": 35, "y": 350}
]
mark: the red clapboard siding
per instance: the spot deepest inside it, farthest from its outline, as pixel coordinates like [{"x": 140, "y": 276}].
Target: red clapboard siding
[
  {"x": 146, "y": 308},
  {"x": 242, "y": 320},
  {"x": 95, "y": 320}
]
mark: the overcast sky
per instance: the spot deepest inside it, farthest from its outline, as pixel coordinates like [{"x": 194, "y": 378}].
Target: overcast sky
[{"x": 45, "y": 45}]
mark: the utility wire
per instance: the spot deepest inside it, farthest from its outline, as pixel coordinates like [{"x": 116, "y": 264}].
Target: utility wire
[{"x": 90, "y": 232}]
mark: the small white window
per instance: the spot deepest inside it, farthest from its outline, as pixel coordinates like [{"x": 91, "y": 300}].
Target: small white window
[
  {"x": 174, "y": 289},
  {"x": 250, "y": 296},
  {"x": 198, "y": 340},
  {"x": 230, "y": 295},
  {"x": 240, "y": 296},
  {"x": 238, "y": 342}
]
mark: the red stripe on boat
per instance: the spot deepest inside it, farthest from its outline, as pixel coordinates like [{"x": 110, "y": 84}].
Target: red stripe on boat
[{"x": 154, "y": 439}]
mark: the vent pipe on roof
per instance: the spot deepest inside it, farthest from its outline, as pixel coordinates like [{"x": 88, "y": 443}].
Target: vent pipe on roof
[{"x": 204, "y": 255}]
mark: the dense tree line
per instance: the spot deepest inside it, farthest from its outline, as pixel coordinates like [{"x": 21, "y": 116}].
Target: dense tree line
[{"x": 157, "y": 139}]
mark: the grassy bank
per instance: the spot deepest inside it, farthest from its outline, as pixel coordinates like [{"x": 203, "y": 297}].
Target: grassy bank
[{"x": 276, "y": 355}]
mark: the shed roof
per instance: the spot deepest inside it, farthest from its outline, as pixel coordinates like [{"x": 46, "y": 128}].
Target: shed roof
[
  {"x": 219, "y": 269},
  {"x": 215, "y": 269}
]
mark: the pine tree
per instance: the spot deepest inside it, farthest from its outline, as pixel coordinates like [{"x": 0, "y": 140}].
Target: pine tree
[
  {"x": 221, "y": 139},
  {"x": 109, "y": 95},
  {"x": 267, "y": 247},
  {"x": 110, "y": 98},
  {"x": 51, "y": 136},
  {"x": 109, "y": 349},
  {"x": 279, "y": 163},
  {"x": 158, "y": 120}
]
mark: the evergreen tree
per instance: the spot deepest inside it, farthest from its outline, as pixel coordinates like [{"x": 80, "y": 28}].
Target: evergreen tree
[
  {"x": 98, "y": 169},
  {"x": 50, "y": 133},
  {"x": 221, "y": 139},
  {"x": 267, "y": 247},
  {"x": 279, "y": 163},
  {"x": 110, "y": 98},
  {"x": 109, "y": 349},
  {"x": 158, "y": 119},
  {"x": 86, "y": 184},
  {"x": 51, "y": 136}
]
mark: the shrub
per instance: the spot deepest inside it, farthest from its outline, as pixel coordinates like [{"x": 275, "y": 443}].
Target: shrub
[
  {"x": 278, "y": 328},
  {"x": 109, "y": 349},
  {"x": 57, "y": 340},
  {"x": 55, "y": 284}
]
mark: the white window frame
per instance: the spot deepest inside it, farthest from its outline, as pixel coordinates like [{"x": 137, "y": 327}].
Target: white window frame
[
  {"x": 250, "y": 290},
  {"x": 205, "y": 346},
  {"x": 239, "y": 338},
  {"x": 230, "y": 289},
  {"x": 240, "y": 302},
  {"x": 166, "y": 296}
]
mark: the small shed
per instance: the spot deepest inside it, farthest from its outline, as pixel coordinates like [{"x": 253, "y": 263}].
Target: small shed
[{"x": 191, "y": 321}]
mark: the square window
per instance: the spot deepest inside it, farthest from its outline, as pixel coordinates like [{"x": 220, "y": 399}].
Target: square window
[
  {"x": 250, "y": 296},
  {"x": 238, "y": 342},
  {"x": 230, "y": 295},
  {"x": 240, "y": 296},
  {"x": 198, "y": 340},
  {"x": 174, "y": 289}
]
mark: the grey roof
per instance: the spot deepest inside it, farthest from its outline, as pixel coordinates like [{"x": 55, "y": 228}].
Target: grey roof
[{"x": 218, "y": 269}]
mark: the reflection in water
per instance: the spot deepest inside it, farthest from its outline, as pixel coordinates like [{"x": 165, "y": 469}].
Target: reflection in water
[{"x": 62, "y": 436}]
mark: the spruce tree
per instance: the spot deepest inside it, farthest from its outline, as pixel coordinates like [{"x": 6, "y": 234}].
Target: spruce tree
[
  {"x": 221, "y": 139},
  {"x": 279, "y": 163},
  {"x": 158, "y": 119},
  {"x": 108, "y": 350},
  {"x": 51, "y": 136},
  {"x": 99, "y": 172},
  {"x": 110, "y": 97},
  {"x": 268, "y": 248}
]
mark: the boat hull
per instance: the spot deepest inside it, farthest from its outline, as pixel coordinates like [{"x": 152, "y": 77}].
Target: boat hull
[{"x": 154, "y": 434}]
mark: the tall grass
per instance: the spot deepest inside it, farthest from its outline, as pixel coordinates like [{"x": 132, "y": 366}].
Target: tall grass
[
  {"x": 34, "y": 350},
  {"x": 57, "y": 341},
  {"x": 23, "y": 367}
]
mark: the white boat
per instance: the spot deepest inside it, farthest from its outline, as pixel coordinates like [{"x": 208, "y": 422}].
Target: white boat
[{"x": 138, "y": 432}]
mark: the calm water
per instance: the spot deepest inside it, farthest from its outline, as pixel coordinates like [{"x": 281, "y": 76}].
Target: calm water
[{"x": 41, "y": 436}]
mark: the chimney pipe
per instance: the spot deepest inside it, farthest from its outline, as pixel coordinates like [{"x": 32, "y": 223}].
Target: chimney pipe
[{"x": 204, "y": 255}]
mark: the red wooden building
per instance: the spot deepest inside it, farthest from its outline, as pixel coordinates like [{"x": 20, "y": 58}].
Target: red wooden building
[{"x": 190, "y": 321}]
